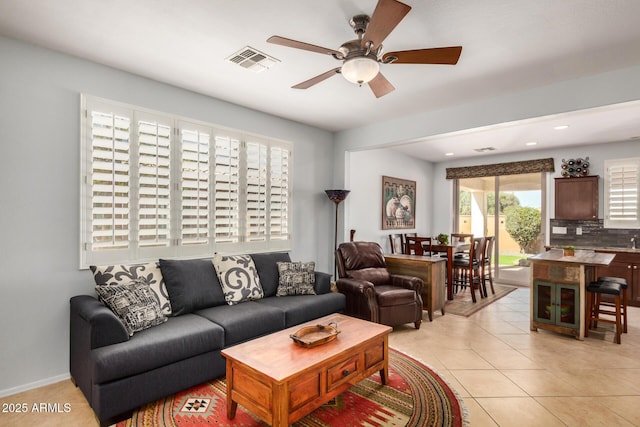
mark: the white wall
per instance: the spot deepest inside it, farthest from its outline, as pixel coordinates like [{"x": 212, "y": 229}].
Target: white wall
[
  {"x": 39, "y": 176},
  {"x": 364, "y": 204}
]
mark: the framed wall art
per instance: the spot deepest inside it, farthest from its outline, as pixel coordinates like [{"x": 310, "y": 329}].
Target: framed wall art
[{"x": 398, "y": 203}]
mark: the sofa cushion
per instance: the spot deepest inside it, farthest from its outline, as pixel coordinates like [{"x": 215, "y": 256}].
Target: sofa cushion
[
  {"x": 296, "y": 278},
  {"x": 246, "y": 321},
  {"x": 302, "y": 308},
  {"x": 268, "y": 270},
  {"x": 238, "y": 276},
  {"x": 134, "y": 304},
  {"x": 179, "y": 338},
  {"x": 119, "y": 274},
  {"x": 192, "y": 284}
]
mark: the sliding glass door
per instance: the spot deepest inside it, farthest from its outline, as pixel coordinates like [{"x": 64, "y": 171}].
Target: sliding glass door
[{"x": 515, "y": 218}]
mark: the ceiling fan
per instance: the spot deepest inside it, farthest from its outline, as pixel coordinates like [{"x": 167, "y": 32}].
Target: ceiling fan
[{"x": 361, "y": 58}]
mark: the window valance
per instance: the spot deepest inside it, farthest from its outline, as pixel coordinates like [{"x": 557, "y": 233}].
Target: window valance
[{"x": 510, "y": 168}]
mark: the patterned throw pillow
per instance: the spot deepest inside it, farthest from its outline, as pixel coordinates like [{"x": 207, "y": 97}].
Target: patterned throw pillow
[
  {"x": 122, "y": 274},
  {"x": 296, "y": 278},
  {"x": 238, "y": 277},
  {"x": 134, "y": 304}
]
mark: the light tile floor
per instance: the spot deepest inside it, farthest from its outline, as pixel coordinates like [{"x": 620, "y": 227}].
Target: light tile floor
[
  {"x": 511, "y": 376},
  {"x": 506, "y": 374}
]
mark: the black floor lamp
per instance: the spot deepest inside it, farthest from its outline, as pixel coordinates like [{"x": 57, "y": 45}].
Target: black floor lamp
[{"x": 336, "y": 196}]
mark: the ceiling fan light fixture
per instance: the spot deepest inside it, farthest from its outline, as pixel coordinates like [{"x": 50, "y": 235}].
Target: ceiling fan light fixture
[{"x": 360, "y": 70}]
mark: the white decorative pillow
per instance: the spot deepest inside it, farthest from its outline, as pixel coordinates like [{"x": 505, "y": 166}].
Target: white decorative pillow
[
  {"x": 296, "y": 278},
  {"x": 238, "y": 277},
  {"x": 123, "y": 274},
  {"x": 134, "y": 304}
]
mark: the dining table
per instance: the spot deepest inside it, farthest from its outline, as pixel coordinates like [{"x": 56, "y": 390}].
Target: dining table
[{"x": 450, "y": 249}]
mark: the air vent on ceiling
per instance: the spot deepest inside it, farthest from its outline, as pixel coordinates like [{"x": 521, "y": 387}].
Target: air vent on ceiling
[
  {"x": 484, "y": 150},
  {"x": 252, "y": 59}
]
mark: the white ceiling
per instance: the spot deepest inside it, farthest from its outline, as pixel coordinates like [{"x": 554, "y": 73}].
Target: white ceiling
[{"x": 507, "y": 46}]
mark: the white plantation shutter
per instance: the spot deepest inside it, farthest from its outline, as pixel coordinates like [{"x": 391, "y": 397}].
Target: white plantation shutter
[
  {"x": 279, "y": 194},
  {"x": 109, "y": 180},
  {"x": 154, "y": 186},
  {"x": 622, "y": 186},
  {"x": 256, "y": 192},
  {"x": 227, "y": 189},
  {"x": 195, "y": 186}
]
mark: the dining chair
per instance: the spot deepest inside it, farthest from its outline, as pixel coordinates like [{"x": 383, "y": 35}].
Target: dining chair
[
  {"x": 467, "y": 270},
  {"x": 396, "y": 242},
  {"x": 412, "y": 246},
  {"x": 461, "y": 238},
  {"x": 486, "y": 264},
  {"x": 426, "y": 243},
  {"x": 404, "y": 240}
]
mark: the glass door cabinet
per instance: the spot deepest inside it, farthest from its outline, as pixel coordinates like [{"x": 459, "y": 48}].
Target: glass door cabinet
[{"x": 556, "y": 303}]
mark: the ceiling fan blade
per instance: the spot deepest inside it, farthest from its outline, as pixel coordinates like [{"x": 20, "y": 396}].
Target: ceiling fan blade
[
  {"x": 386, "y": 16},
  {"x": 283, "y": 41},
  {"x": 438, "y": 55},
  {"x": 380, "y": 86},
  {"x": 317, "y": 79}
]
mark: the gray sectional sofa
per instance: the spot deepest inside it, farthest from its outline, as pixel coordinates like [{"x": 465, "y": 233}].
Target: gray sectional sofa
[{"x": 118, "y": 371}]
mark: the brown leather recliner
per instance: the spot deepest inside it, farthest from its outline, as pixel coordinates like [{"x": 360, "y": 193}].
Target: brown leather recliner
[{"x": 372, "y": 292}]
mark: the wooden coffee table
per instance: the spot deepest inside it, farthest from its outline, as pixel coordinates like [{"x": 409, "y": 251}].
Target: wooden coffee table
[{"x": 281, "y": 382}]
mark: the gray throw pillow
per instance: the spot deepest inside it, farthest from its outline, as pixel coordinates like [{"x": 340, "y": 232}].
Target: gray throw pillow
[
  {"x": 192, "y": 284},
  {"x": 122, "y": 274},
  {"x": 296, "y": 278},
  {"x": 134, "y": 304}
]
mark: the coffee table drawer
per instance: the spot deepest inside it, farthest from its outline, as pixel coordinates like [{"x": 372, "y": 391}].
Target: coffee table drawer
[
  {"x": 305, "y": 389},
  {"x": 374, "y": 355},
  {"x": 346, "y": 370}
]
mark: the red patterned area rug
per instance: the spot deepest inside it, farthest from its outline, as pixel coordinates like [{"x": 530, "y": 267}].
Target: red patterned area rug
[{"x": 414, "y": 396}]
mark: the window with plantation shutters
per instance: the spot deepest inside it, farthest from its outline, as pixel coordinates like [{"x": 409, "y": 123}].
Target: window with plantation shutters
[
  {"x": 622, "y": 187},
  {"x": 279, "y": 194},
  {"x": 195, "y": 186},
  {"x": 227, "y": 189},
  {"x": 158, "y": 186},
  {"x": 154, "y": 185},
  {"x": 256, "y": 192},
  {"x": 109, "y": 179}
]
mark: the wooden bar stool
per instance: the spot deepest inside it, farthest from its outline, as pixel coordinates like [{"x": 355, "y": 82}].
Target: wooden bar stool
[
  {"x": 594, "y": 290},
  {"x": 624, "y": 285}
]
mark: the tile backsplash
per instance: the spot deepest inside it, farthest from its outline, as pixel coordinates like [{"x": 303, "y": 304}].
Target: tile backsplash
[{"x": 593, "y": 234}]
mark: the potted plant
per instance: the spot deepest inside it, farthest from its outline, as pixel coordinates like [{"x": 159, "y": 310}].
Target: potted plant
[
  {"x": 569, "y": 250},
  {"x": 443, "y": 239}
]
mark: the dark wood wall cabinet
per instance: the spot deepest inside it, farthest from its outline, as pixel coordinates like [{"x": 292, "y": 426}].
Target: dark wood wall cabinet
[
  {"x": 577, "y": 198},
  {"x": 627, "y": 266}
]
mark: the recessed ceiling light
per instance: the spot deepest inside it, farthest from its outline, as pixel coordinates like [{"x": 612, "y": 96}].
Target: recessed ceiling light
[
  {"x": 531, "y": 143},
  {"x": 448, "y": 154},
  {"x": 561, "y": 127}
]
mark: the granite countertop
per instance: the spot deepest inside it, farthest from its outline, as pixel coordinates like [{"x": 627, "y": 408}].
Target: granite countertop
[
  {"x": 602, "y": 249},
  {"x": 587, "y": 257}
]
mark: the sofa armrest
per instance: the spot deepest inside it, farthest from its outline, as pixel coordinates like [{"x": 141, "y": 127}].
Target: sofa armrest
[
  {"x": 103, "y": 326},
  {"x": 407, "y": 282},
  {"x": 91, "y": 325},
  {"x": 323, "y": 283},
  {"x": 360, "y": 298}
]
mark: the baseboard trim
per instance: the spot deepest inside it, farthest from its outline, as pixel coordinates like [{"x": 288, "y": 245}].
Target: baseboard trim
[{"x": 35, "y": 384}]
